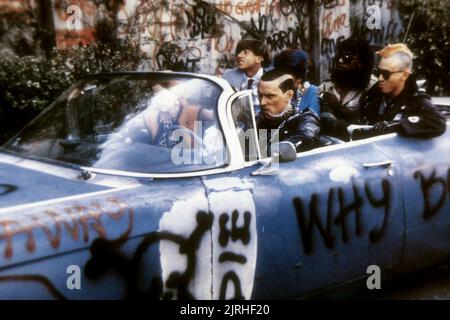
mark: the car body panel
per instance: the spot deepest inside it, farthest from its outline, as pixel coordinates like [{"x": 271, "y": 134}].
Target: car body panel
[
  {"x": 254, "y": 229},
  {"x": 334, "y": 230},
  {"x": 426, "y": 184},
  {"x": 23, "y": 184}
]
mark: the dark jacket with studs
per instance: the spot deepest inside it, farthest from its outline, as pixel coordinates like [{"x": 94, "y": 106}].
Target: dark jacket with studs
[
  {"x": 411, "y": 113},
  {"x": 294, "y": 126}
]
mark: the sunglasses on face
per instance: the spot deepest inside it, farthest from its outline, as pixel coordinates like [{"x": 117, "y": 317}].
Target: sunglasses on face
[
  {"x": 385, "y": 73},
  {"x": 347, "y": 58}
]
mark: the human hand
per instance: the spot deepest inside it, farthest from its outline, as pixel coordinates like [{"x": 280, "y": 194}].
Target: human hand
[
  {"x": 328, "y": 121},
  {"x": 381, "y": 126},
  {"x": 330, "y": 101}
]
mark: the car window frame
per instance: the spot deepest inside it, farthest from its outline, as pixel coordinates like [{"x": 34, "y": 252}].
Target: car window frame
[
  {"x": 233, "y": 98},
  {"x": 233, "y": 152}
]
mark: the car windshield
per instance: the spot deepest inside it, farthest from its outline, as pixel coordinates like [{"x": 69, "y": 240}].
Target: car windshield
[{"x": 147, "y": 123}]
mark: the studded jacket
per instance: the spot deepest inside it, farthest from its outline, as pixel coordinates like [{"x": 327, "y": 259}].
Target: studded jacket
[
  {"x": 411, "y": 113},
  {"x": 302, "y": 129}
]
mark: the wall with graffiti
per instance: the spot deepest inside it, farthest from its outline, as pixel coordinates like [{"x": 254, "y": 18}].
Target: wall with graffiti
[
  {"x": 201, "y": 36},
  {"x": 376, "y": 21},
  {"x": 191, "y": 35}
]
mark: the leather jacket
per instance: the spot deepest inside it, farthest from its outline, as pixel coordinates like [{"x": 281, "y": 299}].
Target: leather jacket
[
  {"x": 302, "y": 129},
  {"x": 411, "y": 113}
]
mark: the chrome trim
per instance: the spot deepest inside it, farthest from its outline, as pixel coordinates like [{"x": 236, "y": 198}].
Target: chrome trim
[
  {"x": 387, "y": 163},
  {"x": 235, "y": 96},
  {"x": 231, "y": 138},
  {"x": 345, "y": 145},
  {"x": 163, "y": 175},
  {"x": 255, "y": 128},
  {"x": 441, "y": 101},
  {"x": 232, "y": 144},
  {"x": 237, "y": 160}
]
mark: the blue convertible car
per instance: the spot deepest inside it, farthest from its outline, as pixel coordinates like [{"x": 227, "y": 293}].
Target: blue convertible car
[{"x": 155, "y": 186}]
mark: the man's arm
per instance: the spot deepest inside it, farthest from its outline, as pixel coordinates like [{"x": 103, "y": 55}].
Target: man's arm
[
  {"x": 424, "y": 121},
  {"x": 305, "y": 129}
]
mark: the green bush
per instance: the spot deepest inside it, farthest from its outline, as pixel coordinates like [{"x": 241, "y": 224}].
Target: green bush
[
  {"x": 30, "y": 83},
  {"x": 429, "y": 39}
]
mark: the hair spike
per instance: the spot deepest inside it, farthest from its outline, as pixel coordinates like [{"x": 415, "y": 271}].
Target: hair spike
[
  {"x": 391, "y": 49},
  {"x": 285, "y": 80}
]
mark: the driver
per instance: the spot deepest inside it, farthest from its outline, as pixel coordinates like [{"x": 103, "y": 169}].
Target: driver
[{"x": 168, "y": 112}]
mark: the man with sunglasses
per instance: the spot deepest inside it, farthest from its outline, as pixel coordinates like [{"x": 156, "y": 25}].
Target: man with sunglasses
[{"x": 395, "y": 103}]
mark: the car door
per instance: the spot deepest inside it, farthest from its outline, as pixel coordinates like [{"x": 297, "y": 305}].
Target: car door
[
  {"x": 426, "y": 186},
  {"x": 324, "y": 218}
]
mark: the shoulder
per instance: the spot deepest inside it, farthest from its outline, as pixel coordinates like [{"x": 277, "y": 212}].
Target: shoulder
[
  {"x": 312, "y": 89},
  {"x": 306, "y": 116},
  {"x": 422, "y": 96},
  {"x": 421, "y": 99},
  {"x": 231, "y": 72},
  {"x": 234, "y": 77},
  {"x": 372, "y": 92}
]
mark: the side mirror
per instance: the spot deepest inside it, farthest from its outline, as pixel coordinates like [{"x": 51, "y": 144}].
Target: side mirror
[{"x": 284, "y": 151}]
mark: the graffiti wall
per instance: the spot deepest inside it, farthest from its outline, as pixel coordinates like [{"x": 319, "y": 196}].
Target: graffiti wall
[
  {"x": 376, "y": 21},
  {"x": 74, "y": 22},
  {"x": 201, "y": 36},
  {"x": 14, "y": 5},
  {"x": 334, "y": 25},
  {"x": 191, "y": 35},
  {"x": 13, "y": 13}
]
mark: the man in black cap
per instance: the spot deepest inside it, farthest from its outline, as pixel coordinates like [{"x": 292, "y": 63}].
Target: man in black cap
[{"x": 251, "y": 56}]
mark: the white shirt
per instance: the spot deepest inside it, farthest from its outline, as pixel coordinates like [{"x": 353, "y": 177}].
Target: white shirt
[
  {"x": 254, "y": 88},
  {"x": 351, "y": 99}
]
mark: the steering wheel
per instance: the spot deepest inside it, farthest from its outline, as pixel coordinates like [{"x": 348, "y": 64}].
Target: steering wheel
[{"x": 197, "y": 139}]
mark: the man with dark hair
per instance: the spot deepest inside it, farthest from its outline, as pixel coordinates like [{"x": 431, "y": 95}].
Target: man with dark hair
[
  {"x": 251, "y": 56},
  {"x": 294, "y": 62},
  {"x": 395, "y": 103},
  {"x": 350, "y": 78},
  {"x": 275, "y": 90}
]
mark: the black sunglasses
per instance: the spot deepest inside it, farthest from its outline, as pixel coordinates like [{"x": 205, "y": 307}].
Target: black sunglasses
[
  {"x": 347, "y": 58},
  {"x": 385, "y": 73}
]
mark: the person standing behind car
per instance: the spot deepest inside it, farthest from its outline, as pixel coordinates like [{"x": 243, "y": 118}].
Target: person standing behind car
[
  {"x": 294, "y": 62},
  {"x": 350, "y": 78},
  {"x": 275, "y": 91},
  {"x": 251, "y": 56},
  {"x": 395, "y": 103}
]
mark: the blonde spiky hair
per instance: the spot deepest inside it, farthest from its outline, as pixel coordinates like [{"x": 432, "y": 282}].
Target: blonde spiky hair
[
  {"x": 401, "y": 51},
  {"x": 391, "y": 49}
]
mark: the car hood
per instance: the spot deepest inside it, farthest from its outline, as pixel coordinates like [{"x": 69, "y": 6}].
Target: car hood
[{"x": 26, "y": 181}]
